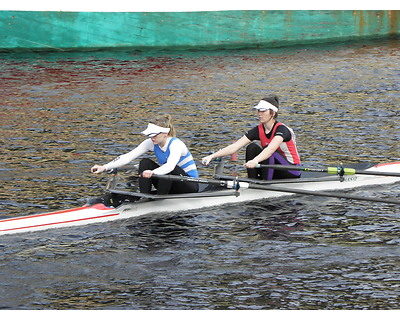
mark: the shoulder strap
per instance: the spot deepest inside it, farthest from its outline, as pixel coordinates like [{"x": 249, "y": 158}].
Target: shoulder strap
[{"x": 263, "y": 137}]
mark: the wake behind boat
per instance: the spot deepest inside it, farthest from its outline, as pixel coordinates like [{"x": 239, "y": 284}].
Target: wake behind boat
[{"x": 221, "y": 190}]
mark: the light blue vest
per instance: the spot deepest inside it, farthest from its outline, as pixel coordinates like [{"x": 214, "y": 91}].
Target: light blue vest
[{"x": 186, "y": 162}]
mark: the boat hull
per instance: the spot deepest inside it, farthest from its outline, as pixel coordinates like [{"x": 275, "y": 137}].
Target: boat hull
[
  {"x": 99, "y": 213},
  {"x": 61, "y": 30}
]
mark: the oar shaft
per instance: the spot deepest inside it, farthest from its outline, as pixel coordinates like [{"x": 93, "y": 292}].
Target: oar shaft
[
  {"x": 331, "y": 170},
  {"x": 278, "y": 181},
  {"x": 378, "y": 173},
  {"x": 320, "y": 193},
  {"x": 235, "y": 184},
  {"x": 221, "y": 183}
]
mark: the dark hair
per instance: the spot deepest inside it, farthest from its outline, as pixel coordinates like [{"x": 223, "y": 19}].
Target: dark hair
[{"x": 272, "y": 100}]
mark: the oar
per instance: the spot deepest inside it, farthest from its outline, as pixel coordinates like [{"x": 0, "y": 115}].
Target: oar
[
  {"x": 277, "y": 181},
  {"x": 321, "y": 193},
  {"x": 331, "y": 170},
  {"x": 236, "y": 185},
  {"x": 221, "y": 183}
]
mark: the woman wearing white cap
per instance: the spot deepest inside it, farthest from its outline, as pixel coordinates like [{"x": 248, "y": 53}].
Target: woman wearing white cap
[
  {"x": 278, "y": 145},
  {"x": 172, "y": 155}
]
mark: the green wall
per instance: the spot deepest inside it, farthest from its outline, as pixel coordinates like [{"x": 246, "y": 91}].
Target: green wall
[{"x": 27, "y": 30}]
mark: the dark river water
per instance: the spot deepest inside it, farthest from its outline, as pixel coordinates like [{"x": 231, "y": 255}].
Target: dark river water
[{"x": 63, "y": 112}]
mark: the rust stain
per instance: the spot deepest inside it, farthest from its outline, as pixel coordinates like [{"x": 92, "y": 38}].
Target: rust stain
[
  {"x": 361, "y": 20},
  {"x": 377, "y": 19},
  {"x": 394, "y": 22}
]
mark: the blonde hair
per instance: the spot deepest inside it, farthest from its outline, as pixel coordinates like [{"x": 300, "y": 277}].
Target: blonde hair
[{"x": 165, "y": 121}]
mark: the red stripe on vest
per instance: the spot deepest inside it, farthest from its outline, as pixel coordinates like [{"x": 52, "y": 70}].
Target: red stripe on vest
[{"x": 292, "y": 154}]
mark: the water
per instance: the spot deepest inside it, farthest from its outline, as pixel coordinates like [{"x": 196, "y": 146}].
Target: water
[{"x": 63, "y": 112}]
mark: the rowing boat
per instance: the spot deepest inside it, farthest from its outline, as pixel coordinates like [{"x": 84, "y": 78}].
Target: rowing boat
[{"x": 225, "y": 190}]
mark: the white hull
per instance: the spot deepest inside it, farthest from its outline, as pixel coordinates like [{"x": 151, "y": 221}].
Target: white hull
[{"x": 100, "y": 213}]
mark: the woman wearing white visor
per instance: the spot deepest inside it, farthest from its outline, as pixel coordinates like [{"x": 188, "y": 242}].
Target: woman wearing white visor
[
  {"x": 278, "y": 145},
  {"x": 172, "y": 155}
]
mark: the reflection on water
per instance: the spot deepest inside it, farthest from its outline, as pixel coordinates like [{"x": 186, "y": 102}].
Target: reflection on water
[{"x": 63, "y": 112}]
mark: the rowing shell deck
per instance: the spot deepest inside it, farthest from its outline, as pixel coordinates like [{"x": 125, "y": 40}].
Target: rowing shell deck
[{"x": 100, "y": 213}]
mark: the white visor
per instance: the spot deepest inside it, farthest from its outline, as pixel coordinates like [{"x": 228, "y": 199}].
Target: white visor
[
  {"x": 153, "y": 130},
  {"x": 265, "y": 105}
]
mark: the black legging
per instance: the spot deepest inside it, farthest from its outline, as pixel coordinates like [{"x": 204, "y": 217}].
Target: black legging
[
  {"x": 164, "y": 186},
  {"x": 253, "y": 150}
]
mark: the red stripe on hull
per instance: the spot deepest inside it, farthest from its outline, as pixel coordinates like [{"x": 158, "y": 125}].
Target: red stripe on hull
[
  {"x": 385, "y": 164},
  {"x": 54, "y": 223},
  {"x": 97, "y": 206}
]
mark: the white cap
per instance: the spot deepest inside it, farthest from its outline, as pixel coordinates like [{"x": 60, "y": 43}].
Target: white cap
[
  {"x": 153, "y": 130},
  {"x": 265, "y": 105}
]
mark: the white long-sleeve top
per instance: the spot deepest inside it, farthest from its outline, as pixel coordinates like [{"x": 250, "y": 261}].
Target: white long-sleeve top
[{"x": 177, "y": 149}]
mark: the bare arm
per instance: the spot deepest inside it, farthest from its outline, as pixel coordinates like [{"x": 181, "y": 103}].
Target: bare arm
[
  {"x": 228, "y": 150},
  {"x": 266, "y": 153},
  {"x": 124, "y": 159}
]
